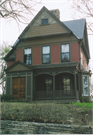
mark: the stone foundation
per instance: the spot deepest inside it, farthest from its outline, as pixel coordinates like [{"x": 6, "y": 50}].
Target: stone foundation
[{"x": 23, "y": 127}]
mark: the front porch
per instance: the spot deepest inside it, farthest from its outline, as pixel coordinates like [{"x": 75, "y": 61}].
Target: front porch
[{"x": 61, "y": 86}]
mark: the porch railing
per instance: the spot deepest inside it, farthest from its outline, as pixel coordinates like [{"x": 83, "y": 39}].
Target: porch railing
[
  {"x": 43, "y": 94},
  {"x": 58, "y": 94},
  {"x": 64, "y": 93}
]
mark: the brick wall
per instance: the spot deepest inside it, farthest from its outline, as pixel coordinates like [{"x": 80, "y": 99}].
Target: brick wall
[
  {"x": 74, "y": 52},
  {"x": 19, "y": 54},
  {"x": 9, "y": 63},
  {"x": 84, "y": 61},
  {"x": 55, "y": 54},
  {"x": 36, "y": 55}
]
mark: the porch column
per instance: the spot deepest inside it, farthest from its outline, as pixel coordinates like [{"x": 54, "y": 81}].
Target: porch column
[
  {"x": 53, "y": 85},
  {"x": 75, "y": 81}
]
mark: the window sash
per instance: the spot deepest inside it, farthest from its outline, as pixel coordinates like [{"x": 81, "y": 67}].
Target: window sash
[
  {"x": 27, "y": 51},
  {"x": 46, "y": 58},
  {"x": 46, "y": 50}
]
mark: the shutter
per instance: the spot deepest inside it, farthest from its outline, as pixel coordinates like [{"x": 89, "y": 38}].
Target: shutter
[
  {"x": 28, "y": 85},
  {"x": 8, "y": 86}
]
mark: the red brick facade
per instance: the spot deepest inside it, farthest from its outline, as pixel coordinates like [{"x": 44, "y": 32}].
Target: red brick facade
[
  {"x": 55, "y": 54},
  {"x": 36, "y": 55},
  {"x": 9, "y": 63},
  {"x": 19, "y": 54},
  {"x": 74, "y": 52}
]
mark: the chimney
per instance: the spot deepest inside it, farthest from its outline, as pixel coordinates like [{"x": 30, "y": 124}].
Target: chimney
[{"x": 56, "y": 12}]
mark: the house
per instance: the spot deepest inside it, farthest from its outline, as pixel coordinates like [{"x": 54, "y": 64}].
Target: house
[{"x": 49, "y": 60}]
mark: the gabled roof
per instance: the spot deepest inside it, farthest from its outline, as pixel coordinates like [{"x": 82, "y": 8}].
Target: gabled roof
[
  {"x": 77, "y": 27},
  {"x": 74, "y": 26},
  {"x": 21, "y": 67}
]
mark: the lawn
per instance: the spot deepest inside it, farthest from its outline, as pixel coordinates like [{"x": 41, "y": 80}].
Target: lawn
[{"x": 75, "y": 113}]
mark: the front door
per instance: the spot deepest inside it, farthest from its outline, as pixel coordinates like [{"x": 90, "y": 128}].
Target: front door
[{"x": 18, "y": 88}]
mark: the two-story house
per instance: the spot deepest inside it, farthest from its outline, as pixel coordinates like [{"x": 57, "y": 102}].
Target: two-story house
[{"x": 49, "y": 60}]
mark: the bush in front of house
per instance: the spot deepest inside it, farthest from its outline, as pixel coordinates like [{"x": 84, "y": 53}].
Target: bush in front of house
[
  {"x": 5, "y": 97},
  {"x": 84, "y": 100}
]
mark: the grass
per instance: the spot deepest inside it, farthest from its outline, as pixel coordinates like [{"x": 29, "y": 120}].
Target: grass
[
  {"x": 47, "y": 112},
  {"x": 84, "y": 106}
]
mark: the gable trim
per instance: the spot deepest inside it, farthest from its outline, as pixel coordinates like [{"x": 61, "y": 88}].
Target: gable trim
[
  {"x": 49, "y": 12},
  {"x": 16, "y": 63}
]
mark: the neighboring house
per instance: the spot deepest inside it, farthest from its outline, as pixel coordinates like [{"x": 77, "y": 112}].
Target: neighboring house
[{"x": 49, "y": 60}]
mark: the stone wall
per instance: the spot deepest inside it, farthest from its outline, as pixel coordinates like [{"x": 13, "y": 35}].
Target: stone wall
[{"x": 23, "y": 127}]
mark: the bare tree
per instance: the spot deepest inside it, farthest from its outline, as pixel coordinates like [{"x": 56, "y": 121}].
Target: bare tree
[
  {"x": 85, "y": 8},
  {"x": 17, "y": 9}
]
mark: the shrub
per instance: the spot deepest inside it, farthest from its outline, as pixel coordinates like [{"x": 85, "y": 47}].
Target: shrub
[
  {"x": 84, "y": 100},
  {"x": 5, "y": 97}
]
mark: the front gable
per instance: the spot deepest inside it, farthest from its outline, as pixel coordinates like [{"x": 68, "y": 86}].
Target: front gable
[
  {"x": 36, "y": 28},
  {"x": 18, "y": 66}
]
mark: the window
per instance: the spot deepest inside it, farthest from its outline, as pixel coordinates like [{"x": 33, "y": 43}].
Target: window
[
  {"x": 44, "y": 21},
  {"x": 65, "y": 57},
  {"x": 66, "y": 82},
  {"x": 85, "y": 85},
  {"x": 46, "y": 54},
  {"x": 27, "y": 56}
]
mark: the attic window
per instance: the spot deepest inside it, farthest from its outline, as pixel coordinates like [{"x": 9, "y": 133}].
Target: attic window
[{"x": 44, "y": 21}]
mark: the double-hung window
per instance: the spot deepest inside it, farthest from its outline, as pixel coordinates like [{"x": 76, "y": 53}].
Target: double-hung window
[
  {"x": 27, "y": 56},
  {"x": 45, "y": 54},
  {"x": 65, "y": 53}
]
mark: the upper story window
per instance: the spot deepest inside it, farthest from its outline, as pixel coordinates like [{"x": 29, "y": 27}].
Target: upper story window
[
  {"x": 65, "y": 53},
  {"x": 44, "y": 21},
  {"x": 46, "y": 54},
  {"x": 27, "y": 56}
]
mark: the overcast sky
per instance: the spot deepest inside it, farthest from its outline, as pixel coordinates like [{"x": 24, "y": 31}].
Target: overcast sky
[{"x": 9, "y": 31}]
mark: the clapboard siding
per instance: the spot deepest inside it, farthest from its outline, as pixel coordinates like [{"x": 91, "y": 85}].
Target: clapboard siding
[{"x": 45, "y": 30}]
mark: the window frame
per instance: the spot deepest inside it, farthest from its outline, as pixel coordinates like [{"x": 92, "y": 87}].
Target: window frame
[
  {"x": 46, "y": 54},
  {"x": 43, "y": 20},
  {"x": 65, "y": 52},
  {"x": 87, "y": 87},
  {"x": 30, "y": 54}
]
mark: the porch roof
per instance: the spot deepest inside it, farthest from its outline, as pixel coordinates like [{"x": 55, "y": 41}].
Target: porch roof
[{"x": 62, "y": 65}]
